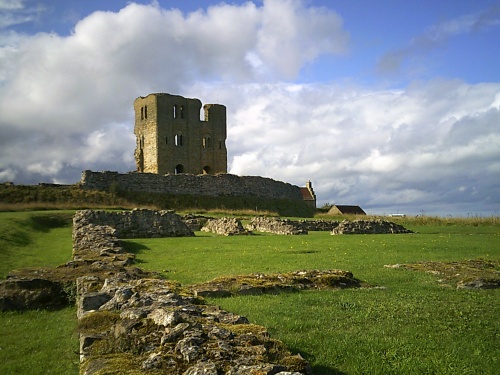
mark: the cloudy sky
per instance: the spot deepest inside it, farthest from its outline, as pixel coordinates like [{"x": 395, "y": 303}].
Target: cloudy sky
[{"x": 391, "y": 105}]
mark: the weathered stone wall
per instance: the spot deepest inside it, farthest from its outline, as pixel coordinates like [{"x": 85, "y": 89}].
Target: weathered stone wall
[
  {"x": 319, "y": 225},
  {"x": 145, "y": 325},
  {"x": 171, "y": 138},
  {"x": 225, "y": 226},
  {"x": 195, "y": 222},
  {"x": 369, "y": 227},
  {"x": 207, "y": 185},
  {"x": 276, "y": 226},
  {"x": 136, "y": 223}
]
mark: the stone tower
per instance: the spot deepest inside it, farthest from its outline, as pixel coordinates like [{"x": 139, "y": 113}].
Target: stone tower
[{"x": 171, "y": 138}]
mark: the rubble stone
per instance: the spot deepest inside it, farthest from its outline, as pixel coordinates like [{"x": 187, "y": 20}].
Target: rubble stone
[
  {"x": 377, "y": 226},
  {"x": 276, "y": 226},
  {"x": 225, "y": 227}
]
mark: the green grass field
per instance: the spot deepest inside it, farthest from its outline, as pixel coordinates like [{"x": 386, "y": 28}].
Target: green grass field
[{"x": 412, "y": 324}]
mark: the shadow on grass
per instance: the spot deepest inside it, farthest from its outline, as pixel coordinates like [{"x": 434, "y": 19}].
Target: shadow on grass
[
  {"x": 133, "y": 247},
  {"x": 44, "y": 223}
]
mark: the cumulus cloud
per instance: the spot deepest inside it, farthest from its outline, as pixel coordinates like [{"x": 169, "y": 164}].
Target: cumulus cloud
[{"x": 430, "y": 144}]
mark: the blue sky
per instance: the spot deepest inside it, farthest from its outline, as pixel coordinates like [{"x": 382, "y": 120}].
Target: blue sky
[{"x": 391, "y": 105}]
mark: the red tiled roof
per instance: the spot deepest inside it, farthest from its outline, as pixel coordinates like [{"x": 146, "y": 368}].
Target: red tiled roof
[{"x": 306, "y": 194}]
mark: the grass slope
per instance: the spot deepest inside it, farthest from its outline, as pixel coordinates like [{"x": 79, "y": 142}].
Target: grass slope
[
  {"x": 36, "y": 342},
  {"x": 34, "y": 239}
]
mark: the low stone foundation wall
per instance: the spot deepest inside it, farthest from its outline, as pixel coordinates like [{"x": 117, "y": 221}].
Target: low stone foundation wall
[
  {"x": 319, "y": 225},
  {"x": 369, "y": 227},
  {"x": 136, "y": 223},
  {"x": 276, "y": 226},
  {"x": 225, "y": 226},
  {"x": 147, "y": 325}
]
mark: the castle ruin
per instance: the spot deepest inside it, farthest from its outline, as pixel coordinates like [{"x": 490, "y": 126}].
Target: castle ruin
[{"x": 171, "y": 138}]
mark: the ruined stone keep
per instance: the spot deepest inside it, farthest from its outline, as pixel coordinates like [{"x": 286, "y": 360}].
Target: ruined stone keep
[{"x": 171, "y": 138}]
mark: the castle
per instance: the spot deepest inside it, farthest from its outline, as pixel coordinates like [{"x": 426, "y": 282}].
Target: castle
[
  {"x": 171, "y": 138},
  {"x": 178, "y": 154}
]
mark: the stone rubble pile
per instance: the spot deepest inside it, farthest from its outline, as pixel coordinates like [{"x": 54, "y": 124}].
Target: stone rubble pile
[
  {"x": 319, "y": 225},
  {"x": 377, "y": 226},
  {"x": 225, "y": 226},
  {"x": 31, "y": 293},
  {"x": 150, "y": 321},
  {"x": 256, "y": 284},
  {"x": 195, "y": 222},
  {"x": 276, "y": 226}
]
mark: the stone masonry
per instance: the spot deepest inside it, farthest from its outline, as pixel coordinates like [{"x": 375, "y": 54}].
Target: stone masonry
[
  {"x": 225, "y": 226},
  {"x": 369, "y": 227},
  {"x": 206, "y": 185},
  {"x": 136, "y": 223},
  {"x": 148, "y": 325},
  {"x": 276, "y": 226},
  {"x": 171, "y": 138}
]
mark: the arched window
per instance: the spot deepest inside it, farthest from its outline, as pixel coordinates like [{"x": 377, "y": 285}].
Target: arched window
[
  {"x": 179, "y": 168},
  {"x": 145, "y": 111},
  {"x": 206, "y": 169},
  {"x": 142, "y": 113},
  {"x": 206, "y": 141},
  {"x": 181, "y": 111},
  {"x": 175, "y": 111},
  {"x": 178, "y": 140}
]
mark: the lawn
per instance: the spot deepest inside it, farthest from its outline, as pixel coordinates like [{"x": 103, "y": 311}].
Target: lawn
[
  {"x": 409, "y": 324},
  {"x": 36, "y": 342}
]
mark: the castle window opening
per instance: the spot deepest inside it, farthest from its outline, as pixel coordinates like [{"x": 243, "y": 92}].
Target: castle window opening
[
  {"x": 142, "y": 113},
  {"x": 220, "y": 145},
  {"x": 166, "y": 140},
  {"x": 178, "y": 140},
  {"x": 145, "y": 111},
  {"x": 206, "y": 141},
  {"x": 179, "y": 168},
  {"x": 206, "y": 170},
  {"x": 178, "y": 111}
]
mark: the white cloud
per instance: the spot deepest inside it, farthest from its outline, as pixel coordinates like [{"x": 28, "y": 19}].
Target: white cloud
[
  {"x": 364, "y": 147},
  {"x": 11, "y": 4},
  {"x": 7, "y": 175},
  {"x": 13, "y": 12},
  {"x": 45, "y": 168},
  {"x": 438, "y": 34}
]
